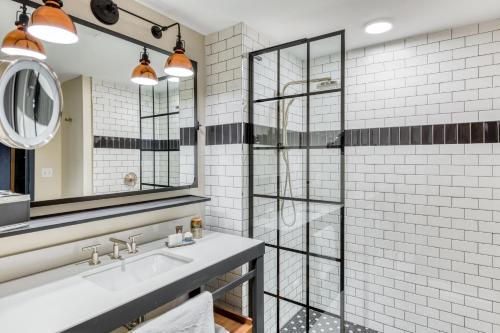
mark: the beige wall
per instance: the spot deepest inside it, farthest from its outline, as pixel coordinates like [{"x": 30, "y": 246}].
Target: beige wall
[
  {"x": 76, "y": 135},
  {"x": 49, "y": 157},
  {"x": 140, "y": 30}
]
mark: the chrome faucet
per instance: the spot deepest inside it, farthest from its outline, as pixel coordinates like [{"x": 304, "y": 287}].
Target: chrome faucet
[
  {"x": 131, "y": 246},
  {"x": 116, "y": 247},
  {"x": 94, "y": 260}
]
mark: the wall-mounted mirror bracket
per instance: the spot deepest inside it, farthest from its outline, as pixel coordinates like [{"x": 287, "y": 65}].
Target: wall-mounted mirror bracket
[{"x": 106, "y": 11}]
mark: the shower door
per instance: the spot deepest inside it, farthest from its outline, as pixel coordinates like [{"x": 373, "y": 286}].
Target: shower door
[
  {"x": 159, "y": 135},
  {"x": 296, "y": 184}
]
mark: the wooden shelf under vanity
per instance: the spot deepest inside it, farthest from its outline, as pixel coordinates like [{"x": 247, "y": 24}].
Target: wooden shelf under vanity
[{"x": 233, "y": 322}]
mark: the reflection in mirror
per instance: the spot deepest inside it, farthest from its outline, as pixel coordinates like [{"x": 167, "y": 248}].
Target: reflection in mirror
[
  {"x": 115, "y": 136},
  {"x": 28, "y": 103}
]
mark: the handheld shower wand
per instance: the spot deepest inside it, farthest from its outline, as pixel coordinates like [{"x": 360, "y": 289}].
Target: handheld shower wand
[{"x": 285, "y": 113}]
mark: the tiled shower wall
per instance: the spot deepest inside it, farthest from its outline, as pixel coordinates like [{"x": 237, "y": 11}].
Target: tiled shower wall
[
  {"x": 226, "y": 163},
  {"x": 226, "y": 168},
  {"x": 423, "y": 237},
  {"x": 423, "y": 247}
]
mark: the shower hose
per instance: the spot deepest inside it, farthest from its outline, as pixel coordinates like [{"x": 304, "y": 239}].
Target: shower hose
[{"x": 285, "y": 109}]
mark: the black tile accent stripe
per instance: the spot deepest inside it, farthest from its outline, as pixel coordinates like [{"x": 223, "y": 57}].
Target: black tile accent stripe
[
  {"x": 226, "y": 134},
  {"x": 462, "y": 133},
  {"x": 426, "y": 134},
  {"x": 187, "y": 138}
]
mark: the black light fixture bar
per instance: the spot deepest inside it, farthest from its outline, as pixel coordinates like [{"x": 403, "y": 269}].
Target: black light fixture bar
[
  {"x": 107, "y": 12},
  {"x": 157, "y": 30}
]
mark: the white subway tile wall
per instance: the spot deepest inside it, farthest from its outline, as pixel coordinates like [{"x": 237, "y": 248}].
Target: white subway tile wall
[
  {"x": 226, "y": 166},
  {"x": 422, "y": 244},
  {"x": 116, "y": 114},
  {"x": 422, "y": 230}
]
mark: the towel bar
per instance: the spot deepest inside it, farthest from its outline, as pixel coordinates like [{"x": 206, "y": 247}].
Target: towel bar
[{"x": 233, "y": 284}]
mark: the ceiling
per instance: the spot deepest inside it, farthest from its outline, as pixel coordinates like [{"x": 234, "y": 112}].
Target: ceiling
[
  {"x": 96, "y": 54},
  {"x": 287, "y": 20}
]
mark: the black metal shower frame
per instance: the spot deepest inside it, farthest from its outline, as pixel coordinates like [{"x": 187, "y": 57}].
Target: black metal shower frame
[
  {"x": 153, "y": 148},
  {"x": 338, "y": 145}
]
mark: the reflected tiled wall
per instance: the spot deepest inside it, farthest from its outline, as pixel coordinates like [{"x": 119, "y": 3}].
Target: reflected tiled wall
[
  {"x": 117, "y": 135},
  {"x": 115, "y": 114}
]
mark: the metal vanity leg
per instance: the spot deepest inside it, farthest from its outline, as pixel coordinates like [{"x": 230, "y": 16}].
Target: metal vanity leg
[
  {"x": 194, "y": 292},
  {"x": 257, "y": 296}
]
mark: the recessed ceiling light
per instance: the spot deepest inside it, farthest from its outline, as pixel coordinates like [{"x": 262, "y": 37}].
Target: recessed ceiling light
[{"x": 378, "y": 27}]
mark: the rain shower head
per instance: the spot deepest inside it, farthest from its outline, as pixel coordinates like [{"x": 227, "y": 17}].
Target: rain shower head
[
  {"x": 324, "y": 83},
  {"x": 327, "y": 85}
]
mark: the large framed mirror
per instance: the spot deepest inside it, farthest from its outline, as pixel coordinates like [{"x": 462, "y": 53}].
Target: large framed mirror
[{"x": 116, "y": 138}]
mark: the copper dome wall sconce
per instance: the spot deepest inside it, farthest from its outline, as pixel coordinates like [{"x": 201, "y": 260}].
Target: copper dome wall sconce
[
  {"x": 50, "y": 23},
  {"x": 144, "y": 74},
  {"x": 19, "y": 42},
  {"x": 177, "y": 64}
]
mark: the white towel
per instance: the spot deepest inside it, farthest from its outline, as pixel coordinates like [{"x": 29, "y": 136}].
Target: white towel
[
  {"x": 220, "y": 329},
  {"x": 193, "y": 316}
]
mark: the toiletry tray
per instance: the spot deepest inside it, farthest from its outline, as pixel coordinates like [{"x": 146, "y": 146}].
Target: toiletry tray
[{"x": 184, "y": 243}]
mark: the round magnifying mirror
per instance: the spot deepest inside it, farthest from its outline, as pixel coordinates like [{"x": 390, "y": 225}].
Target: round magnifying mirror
[{"x": 30, "y": 103}]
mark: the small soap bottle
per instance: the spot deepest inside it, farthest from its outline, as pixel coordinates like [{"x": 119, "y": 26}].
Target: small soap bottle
[
  {"x": 179, "y": 234},
  {"x": 197, "y": 227}
]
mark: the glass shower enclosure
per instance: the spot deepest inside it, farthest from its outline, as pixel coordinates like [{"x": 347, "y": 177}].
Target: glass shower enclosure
[{"x": 296, "y": 184}]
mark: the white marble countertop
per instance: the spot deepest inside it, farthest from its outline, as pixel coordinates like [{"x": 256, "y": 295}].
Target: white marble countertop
[{"x": 61, "y": 298}]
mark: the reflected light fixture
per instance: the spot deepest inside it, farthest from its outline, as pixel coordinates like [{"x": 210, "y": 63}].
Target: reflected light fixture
[
  {"x": 144, "y": 74},
  {"x": 178, "y": 64},
  {"x": 173, "y": 79},
  {"x": 50, "y": 23},
  {"x": 378, "y": 27},
  {"x": 20, "y": 42}
]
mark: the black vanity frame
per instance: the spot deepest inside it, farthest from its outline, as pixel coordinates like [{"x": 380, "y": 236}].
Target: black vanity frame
[
  {"x": 139, "y": 43},
  {"x": 277, "y": 145}
]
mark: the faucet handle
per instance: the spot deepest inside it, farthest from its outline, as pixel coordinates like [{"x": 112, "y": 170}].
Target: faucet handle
[
  {"x": 94, "y": 260},
  {"x": 91, "y": 247},
  {"x": 133, "y": 237},
  {"x": 133, "y": 243}
]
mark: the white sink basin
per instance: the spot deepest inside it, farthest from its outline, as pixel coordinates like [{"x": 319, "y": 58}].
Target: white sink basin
[{"x": 135, "y": 270}]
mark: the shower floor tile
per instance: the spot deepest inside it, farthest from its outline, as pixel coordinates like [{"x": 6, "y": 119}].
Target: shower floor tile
[{"x": 320, "y": 323}]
